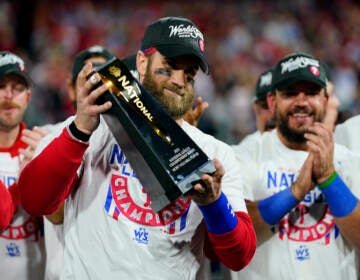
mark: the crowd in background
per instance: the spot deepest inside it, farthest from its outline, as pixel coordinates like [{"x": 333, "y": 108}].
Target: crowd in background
[{"x": 243, "y": 38}]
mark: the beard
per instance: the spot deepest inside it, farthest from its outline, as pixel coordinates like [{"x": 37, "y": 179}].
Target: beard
[
  {"x": 270, "y": 124},
  {"x": 295, "y": 135},
  {"x": 292, "y": 135},
  {"x": 175, "y": 105},
  {"x": 9, "y": 122}
]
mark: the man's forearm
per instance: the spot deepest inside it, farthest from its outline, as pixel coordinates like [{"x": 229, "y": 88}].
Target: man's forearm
[{"x": 46, "y": 181}]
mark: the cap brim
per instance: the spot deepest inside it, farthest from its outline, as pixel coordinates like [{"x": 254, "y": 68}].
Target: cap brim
[
  {"x": 290, "y": 81},
  {"x": 24, "y": 75},
  {"x": 179, "y": 50}
]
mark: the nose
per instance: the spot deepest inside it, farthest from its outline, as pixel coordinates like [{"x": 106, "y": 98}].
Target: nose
[
  {"x": 301, "y": 97},
  {"x": 178, "y": 78}
]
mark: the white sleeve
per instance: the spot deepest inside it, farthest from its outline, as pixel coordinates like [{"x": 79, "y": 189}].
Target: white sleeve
[
  {"x": 347, "y": 165},
  {"x": 348, "y": 134}
]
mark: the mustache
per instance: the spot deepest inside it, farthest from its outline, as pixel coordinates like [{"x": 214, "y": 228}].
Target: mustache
[
  {"x": 9, "y": 104},
  {"x": 174, "y": 88},
  {"x": 304, "y": 110}
]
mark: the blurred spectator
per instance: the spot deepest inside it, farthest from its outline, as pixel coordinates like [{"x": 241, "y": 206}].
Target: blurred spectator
[{"x": 242, "y": 39}]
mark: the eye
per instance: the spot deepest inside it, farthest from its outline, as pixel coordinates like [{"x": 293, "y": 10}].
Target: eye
[
  {"x": 190, "y": 80},
  {"x": 312, "y": 92},
  {"x": 290, "y": 93},
  {"x": 190, "y": 75},
  {"x": 163, "y": 71},
  {"x": 18, "y": 88}
]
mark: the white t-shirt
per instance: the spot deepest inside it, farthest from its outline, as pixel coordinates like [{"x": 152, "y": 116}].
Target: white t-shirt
[
  {"x": 112, "y": 233},
  {"x": 306, "y": 243},
  {"x": 22, "y": 252},
  {"x": 54, "y": 236},
  {"x": 246, "y": 148},
  {"x": 348, "y": 134}
]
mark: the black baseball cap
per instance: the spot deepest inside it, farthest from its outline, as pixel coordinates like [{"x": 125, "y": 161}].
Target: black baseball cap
[
  {"x": 298, "y": 67},
  {"x": 176, "y": 36},
  {"x": 11, "y": 63},
  {"x": 80, "y": 58},
  {"x": 263, "y": 85}
]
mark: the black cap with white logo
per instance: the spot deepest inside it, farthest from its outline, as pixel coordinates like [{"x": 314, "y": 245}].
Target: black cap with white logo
[
  {"x": 176, "y": 36},
  {"x": 298, "y": 67},
  {"x": 11, "y": 63},
  {"x": 82, "y": 56},
  {"x": 263, "y": 85}
]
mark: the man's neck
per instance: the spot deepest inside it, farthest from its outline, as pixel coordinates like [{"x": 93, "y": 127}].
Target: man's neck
[
  {"x": 8, "y": 137},
  {"x": 179, "y": 121}
]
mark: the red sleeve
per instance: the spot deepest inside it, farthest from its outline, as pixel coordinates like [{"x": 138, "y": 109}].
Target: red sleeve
[
  {"x": 46, "y": 180},
  {"x": 6, "y": 207},
  {"x": 236, "y": 248}
]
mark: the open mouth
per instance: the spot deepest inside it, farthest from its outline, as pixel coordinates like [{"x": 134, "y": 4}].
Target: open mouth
[{"x": 301, "y": 117}]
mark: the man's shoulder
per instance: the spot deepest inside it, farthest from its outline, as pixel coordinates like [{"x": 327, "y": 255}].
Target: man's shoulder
[
  {"x": 52, "y": 128},
  {"x": 255, "y": 145},
  {"x": 351, "y": 125}
]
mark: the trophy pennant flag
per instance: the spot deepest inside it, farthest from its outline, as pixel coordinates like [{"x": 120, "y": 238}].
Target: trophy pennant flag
[{"x": 165, "y": 159}]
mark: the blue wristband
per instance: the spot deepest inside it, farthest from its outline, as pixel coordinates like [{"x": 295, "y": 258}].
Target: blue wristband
[
  {"x": 340, "y": 199},
  {"x": 219, "y": 216},
  {"x": 273, "y": 208}
]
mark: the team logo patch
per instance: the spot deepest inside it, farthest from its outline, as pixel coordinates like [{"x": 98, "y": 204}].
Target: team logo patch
[
  {"x": 265, "y": 80},
  {"x": 9, "y": 58},
  {"x": 182, "y": 31},
  {"x": 13, "y": 250},
  {"x": 302, "y": 253},
  {"x": 294, "y": 64},
  {"x": 141, "y": 235},
  {"x": 314, "y": 70},
  {"x": 130, "y": 200},
  {"x": 201, "y": 45}
]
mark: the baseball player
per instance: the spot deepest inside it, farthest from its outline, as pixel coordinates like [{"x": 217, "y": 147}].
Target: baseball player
[
  {"x": 110, "y": 230},
  {"x": 21, "y": 241},
  {"x": 302, "y": 188},
  {"x": 264, "y": 117},
  {"x": 53, "y": 225}
]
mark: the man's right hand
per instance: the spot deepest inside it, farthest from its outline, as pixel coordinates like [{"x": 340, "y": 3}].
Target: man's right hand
[
  {"x": 304, "y": 183},
  {"x": 87, "y": 115}
]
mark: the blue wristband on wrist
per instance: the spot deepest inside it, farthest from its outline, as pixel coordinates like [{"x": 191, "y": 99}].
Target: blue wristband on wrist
[
  {"x": 340, "y": 199},
  {"x": 219, "y": 216},
  {"x": 273, "y": 208}
]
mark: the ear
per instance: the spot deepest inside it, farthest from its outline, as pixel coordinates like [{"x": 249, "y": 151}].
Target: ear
[
  {"x": 28, "y": 96},
  {"x": 141, "y": 64},
  {"x": 255, "y": 108},
  {"x": 270, "y": 99}
]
